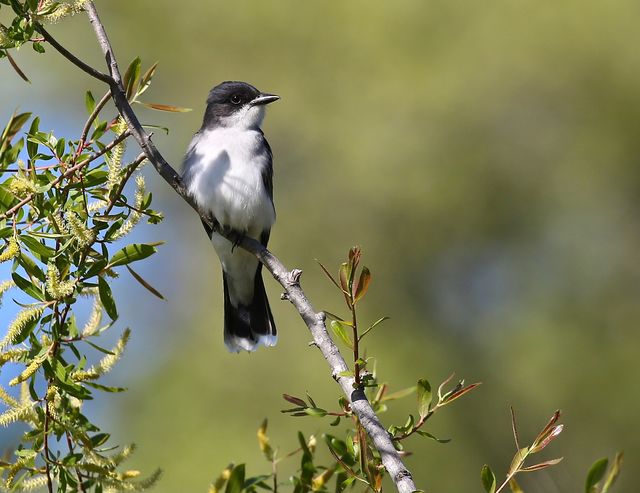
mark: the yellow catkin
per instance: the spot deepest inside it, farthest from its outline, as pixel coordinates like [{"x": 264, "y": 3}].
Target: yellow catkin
[
  {"x": 7, "y": 399},
  {"x": 11, "y": 250},
  {"x": 57, "y": 288},
  {"x": 4, "y": 287},
  {"x": 92, "y": 326},
  {"x": 21, "y": 186},
  {"x": 33, "y": 483},
  {"x": 114, "y": 158},
  {"x": 126, "y": 452},
  {"x": 60, "y": 12},
  {"x": 107, "y": 363},
  {"x": 13, "y": 355},
  {"x": 27, "y": 373},
  {"x": 13, "y": 470},
  {"x": 134, "y": 217},
  {"x": 5, "y": 40},
  {"x": 15, "y": 327},
  {"x": 83, "y": 235},
  {"x": 14, "y": 414}
]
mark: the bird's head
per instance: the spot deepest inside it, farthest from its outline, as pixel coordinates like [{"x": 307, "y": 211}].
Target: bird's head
[{"x": 236, "y": 104}]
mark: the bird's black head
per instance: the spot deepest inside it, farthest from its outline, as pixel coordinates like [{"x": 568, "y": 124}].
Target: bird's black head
[{"x": 234, "y": 103}]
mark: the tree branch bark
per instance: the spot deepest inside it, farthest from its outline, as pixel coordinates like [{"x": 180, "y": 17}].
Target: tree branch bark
[{"x": 289, "y": 280}]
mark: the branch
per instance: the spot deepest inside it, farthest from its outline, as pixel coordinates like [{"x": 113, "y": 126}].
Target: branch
[{"x": 289, "y": 280}]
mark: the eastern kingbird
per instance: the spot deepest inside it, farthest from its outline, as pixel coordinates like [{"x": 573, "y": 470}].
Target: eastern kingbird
[{"x": 228, "y": 169}]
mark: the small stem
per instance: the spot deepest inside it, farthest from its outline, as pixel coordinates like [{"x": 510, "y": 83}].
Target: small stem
[
  {"x": 47, "y": 416},
  {"x": 71, "y": 450},
  {"x": 356, "y": 341}
]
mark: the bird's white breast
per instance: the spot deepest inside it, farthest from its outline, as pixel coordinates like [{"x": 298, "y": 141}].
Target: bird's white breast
[{"x": 226, "y": 178}]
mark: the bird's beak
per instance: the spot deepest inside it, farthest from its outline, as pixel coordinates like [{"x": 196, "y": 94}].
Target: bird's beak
[{"x": 264, "y": 98}]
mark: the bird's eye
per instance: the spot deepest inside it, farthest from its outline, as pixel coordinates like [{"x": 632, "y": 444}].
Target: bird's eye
[{"x": 235, "y": 99}]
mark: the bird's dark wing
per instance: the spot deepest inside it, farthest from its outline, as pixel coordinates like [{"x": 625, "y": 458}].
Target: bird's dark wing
[{"x": 267, "y": 172}]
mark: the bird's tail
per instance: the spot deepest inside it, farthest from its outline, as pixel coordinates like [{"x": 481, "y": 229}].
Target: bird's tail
[{"x": 246, "y": 327}]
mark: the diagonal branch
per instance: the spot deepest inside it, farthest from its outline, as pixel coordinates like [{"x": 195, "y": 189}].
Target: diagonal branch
[{"x": 290, "y": 280}]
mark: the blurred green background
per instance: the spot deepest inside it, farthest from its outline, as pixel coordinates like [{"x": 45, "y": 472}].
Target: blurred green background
[{"x": 486, "y": 157}]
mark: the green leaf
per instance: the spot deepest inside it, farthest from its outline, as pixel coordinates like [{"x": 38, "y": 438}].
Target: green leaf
[
  {"x": 28, "y": 287},
  {"x": 595, "y": 474},
  {"x": 89, "y": 102},
  {"x": 488, "y": 479},
  {"x": 315, "y": 411},
  {"x": 432, "y": 437},
  {"x": 106, "y": 298},
  {"x": 41, "y": 251},
  {"x": 132, "y": 76},
  {"x": 236, "y": 480},
  {"x": 144, "y": 283},
  {"x": 132, "y": 253},
  {"x": 424, "y": 397},
  {"x": 13, "y": 127},
  {"x": 38, "y": 47},
  {"x": 339, "y": 329}
]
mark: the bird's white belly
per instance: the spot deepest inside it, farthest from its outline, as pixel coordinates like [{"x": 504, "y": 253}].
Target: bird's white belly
[{"x": 227, "y": 180}]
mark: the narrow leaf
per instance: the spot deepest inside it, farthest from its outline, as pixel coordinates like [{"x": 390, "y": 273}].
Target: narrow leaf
[
  {"x": 106, "y": 298},
  {"x": 362, "y": 286},
  {"x": 613, "y": 473},
  {"x": 165, "y": 107},
  {"x": 424, "y": 397},
  {"x": 294, "y": 400},
  {"x": 132, "y": 253},
  {"x": 542, "y": 465},
  {"x": 144, "y": 283},
  {"x": 488, "y": 479},
  {"x": 595, "y": 474},
  {"x": 339, "y": 330}
]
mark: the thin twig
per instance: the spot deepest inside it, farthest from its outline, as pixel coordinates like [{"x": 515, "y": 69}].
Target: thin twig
[
  {"x": 289, "y": 280},
  {"x": 90, "y": 120},
  {"x": 72, "y": 58}
]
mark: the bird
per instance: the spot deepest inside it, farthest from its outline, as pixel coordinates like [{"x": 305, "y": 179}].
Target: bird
[{"x": 228, "y": 171}]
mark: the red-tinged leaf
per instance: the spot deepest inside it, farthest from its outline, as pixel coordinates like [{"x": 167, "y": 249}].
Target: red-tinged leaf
[
  {"x": 398, "y": 394},
  {"x": 144, "y": 283},
  {"x": 459, "y": 393},
  {"x": 294, "y": 400},
  {"x": 553, "y": 433},
  {"x": 542, "y": 465},
  {"x": 361, "y": 287},
  {"x": 324, "y": 269},
  {"x": 545, "y": 431},
  {"x": 165, "y": 107},
  {"x": 16, "y": 68}
]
